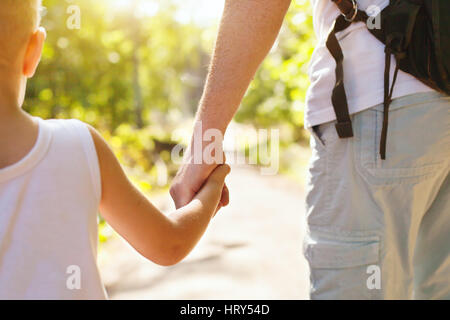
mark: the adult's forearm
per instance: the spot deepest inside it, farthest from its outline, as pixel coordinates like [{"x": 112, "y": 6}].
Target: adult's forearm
[{"x": 247, "y": 32}]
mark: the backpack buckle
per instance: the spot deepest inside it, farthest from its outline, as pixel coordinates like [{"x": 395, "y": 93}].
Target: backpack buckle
[{"x": 351, "y": 15}]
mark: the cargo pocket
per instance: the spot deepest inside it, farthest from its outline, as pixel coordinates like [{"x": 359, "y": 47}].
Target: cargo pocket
[
  {"x": 325, "y": 133},
  {"x": 339, "y": 265},
  {"x": 417, "y": 142}
]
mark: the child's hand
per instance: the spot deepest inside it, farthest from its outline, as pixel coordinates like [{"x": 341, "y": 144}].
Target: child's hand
[
  {"x": 210, "y": 194},
  {"x": 164, "y": 239}
]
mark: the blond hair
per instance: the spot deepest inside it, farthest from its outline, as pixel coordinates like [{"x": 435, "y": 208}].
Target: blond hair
[{"x": 18, "y": 20}]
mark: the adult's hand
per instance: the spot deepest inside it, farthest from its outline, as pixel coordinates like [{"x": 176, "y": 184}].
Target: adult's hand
[
  {"x": 189, "y": 180},
  {"x": 247, "y": 31}
]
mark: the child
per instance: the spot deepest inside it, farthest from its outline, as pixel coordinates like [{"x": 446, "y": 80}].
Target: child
[{"x": 56, "y": 174}]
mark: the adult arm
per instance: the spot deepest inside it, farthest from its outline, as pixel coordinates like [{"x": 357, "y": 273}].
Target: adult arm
[{"x": 247, "y": 32}]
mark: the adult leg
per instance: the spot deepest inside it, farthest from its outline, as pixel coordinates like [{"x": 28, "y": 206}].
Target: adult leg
[
  {"x": 432, "y": 256},
  {"x": 364, "y": 213}
]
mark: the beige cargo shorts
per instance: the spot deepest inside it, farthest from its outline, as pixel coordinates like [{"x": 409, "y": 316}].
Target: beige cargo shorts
[{"x": 380, "y": 229}]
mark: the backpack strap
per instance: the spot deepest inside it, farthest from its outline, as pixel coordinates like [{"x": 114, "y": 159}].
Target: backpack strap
[
  {"x": 349, "y": 15},
  {"x": 388, "y": 91}
]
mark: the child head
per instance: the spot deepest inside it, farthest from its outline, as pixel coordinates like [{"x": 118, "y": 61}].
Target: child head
[{"x": 21, "y": 42}]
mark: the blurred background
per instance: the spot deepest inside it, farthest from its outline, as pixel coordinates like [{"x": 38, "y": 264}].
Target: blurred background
[{"x": 135, "y": 69}]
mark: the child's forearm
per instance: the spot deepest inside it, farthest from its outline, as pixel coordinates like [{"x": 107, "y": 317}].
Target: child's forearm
[
  {"x": 192, "y": 220},
  {"x": 163, "y": 239},
  {"x": 190, "y": 223},
  {"x": 173, "y": 240}
]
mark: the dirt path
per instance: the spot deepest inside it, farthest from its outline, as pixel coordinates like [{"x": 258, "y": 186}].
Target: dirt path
[{"x": 251, "y": 251}]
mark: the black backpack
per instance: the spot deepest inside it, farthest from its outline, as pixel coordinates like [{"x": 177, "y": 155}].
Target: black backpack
[{"x": 416, "y": 32}]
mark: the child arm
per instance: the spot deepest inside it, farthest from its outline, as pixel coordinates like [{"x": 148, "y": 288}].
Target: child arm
[{"x": 165, "y": 240}]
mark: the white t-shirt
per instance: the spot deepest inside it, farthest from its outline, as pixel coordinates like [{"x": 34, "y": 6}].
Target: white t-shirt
[
  {"x": 48, "y": 217},
  {"x": 364, "y": 62}
]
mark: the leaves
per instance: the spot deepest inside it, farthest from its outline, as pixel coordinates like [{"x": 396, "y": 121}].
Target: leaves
[
  {"x": 139, "y": 77},
  {"x": 277, "y": 94}
]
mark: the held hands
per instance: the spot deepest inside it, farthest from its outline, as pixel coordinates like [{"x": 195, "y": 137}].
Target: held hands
[
  {"x": 212, "y": 191},
  {"x": 190, "y": 179}
]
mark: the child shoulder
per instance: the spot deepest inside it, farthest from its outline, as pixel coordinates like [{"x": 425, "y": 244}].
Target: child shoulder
[
  {"x": 60, "y": 125},
  {"x": 69, "y": 125},
  {"x": 71, "y": 130}
]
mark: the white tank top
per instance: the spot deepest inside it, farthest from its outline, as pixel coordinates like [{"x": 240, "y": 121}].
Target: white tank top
[
  {"x": 364, "y": 62},
  {"x": 48, "y": 217}
]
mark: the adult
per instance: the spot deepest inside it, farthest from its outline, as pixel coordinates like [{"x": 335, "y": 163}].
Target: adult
[{"x": 377, "y": 228}]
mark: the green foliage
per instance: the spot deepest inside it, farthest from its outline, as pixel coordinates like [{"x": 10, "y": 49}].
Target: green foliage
[
  {"x": 137, "y": 78},
  {"x": 277, "y": 94},
  {"x": 89, "y": 73}
]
